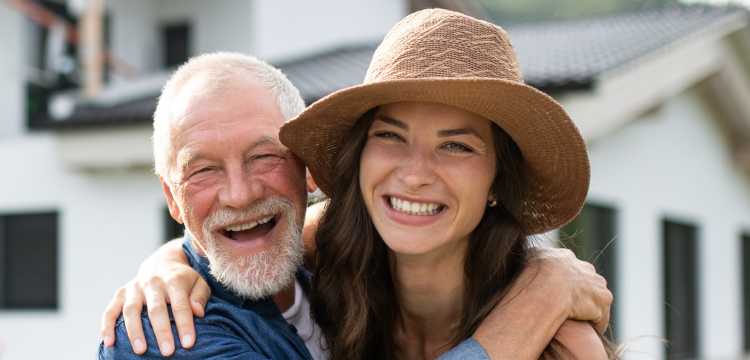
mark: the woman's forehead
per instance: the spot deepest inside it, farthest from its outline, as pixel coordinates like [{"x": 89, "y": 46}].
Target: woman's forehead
[{"x": 439, "y": 116}]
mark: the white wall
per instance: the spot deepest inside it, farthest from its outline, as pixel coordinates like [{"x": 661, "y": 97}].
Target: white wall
[
  {"x": 12, "y": 99},
  {"x": 108, "y": 224},
  {"x": 289, "y": 28},
  {"x": 674, "y": 163},
  {"x": 134, "y": 37},
  {"x": 274, "y": 30},
  {"x": 216, "y": 25}
]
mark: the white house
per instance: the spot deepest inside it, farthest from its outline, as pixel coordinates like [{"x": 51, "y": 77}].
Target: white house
[{"x": 661, "y": 97}]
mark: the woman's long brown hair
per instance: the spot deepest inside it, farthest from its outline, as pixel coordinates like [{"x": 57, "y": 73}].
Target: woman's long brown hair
[{"x": 353, "y": 298}]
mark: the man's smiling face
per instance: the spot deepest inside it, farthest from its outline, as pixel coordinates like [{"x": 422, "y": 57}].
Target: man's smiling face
[{"x": 238, "y": 190}]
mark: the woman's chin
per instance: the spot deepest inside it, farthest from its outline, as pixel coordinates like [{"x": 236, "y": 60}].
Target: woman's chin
[{"x": 412, "y": 245}]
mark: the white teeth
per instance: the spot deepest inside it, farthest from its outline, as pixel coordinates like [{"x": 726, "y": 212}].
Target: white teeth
[
  {"x": 414, "y": 208},
  {"x": 249, "y": 226}
]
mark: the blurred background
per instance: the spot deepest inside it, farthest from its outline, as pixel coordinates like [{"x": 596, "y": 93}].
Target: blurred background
[{"x": 659, "y": 88}]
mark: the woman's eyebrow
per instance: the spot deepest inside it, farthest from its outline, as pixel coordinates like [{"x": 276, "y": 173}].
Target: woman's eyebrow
[
  {"x": 392, "y": 121},
  {"x": 459, "y": 131}
]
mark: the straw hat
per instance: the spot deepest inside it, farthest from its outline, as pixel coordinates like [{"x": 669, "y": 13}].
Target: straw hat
[{"x": 449, "y": 58}]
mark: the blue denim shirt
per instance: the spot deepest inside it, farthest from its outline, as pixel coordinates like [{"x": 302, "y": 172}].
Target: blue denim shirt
[
  {"x": 233, "y": 328},
  {"x": 467, "y": 349}
]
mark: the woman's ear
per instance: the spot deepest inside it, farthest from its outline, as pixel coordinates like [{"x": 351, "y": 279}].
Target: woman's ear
[
  {"x": 491, "y": 200},
  {"x": 311, "y": 185}
]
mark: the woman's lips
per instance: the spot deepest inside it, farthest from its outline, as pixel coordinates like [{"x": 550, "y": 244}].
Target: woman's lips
[{"x": 412, "y": 213}]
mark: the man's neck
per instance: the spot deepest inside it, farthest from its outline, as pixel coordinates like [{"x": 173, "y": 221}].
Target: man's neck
[{"x": 284, "y": 299}]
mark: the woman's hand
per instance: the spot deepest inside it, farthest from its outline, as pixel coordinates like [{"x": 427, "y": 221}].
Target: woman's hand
[{"x": 164, "y": 278}]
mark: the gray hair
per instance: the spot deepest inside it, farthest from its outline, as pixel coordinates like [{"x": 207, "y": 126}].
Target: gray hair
[{"x": 218, "y": 67}]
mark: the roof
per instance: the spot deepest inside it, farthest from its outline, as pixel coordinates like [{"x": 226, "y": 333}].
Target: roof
[{"x": 554, "y": 56}]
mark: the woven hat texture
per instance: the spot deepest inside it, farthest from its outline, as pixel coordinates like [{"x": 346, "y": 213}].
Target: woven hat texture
[{"x": 449, "y": 58}]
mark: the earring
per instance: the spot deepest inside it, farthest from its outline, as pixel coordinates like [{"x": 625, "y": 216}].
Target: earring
[{"x": 492, "y": 202}]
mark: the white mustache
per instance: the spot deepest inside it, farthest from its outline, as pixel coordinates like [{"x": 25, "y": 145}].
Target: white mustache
[{"x": 224, "y": 217}]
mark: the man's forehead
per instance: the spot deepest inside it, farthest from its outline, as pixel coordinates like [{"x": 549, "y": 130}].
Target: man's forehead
[{"x": 242, "y": 95}]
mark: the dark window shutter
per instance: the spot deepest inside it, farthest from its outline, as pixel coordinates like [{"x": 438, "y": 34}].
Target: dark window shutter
[{"x": 681, "y": 309}]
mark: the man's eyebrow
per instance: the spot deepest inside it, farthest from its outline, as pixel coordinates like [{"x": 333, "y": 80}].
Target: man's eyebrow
[
  {"x": 392, "y": 121},
  {"x": 264, "y": 140},
  {"x": 185, "y": 157}
]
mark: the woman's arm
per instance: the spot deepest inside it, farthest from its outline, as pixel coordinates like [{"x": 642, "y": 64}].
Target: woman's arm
[
  {"x": 164, "y": 278},
  {"x": 579, "y": 340},
  {"x": 313, "y": 214}
]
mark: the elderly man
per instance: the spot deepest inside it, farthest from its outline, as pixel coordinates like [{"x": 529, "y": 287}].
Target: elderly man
[{"x": 242, "y": 196}]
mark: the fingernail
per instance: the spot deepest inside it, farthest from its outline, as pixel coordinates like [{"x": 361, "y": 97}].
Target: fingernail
[
  {"x": 107, "y": 341},
  {"x": 139, "y": 346},
  {"x": 166, "y": 348},
  {"x": 187, "y": 340}
]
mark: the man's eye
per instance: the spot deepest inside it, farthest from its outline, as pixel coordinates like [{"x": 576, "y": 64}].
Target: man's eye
[
  {"x": 265, "y": 157},
  {"x": 457, "y": 147},
  {"x": 202, "y": 170}
]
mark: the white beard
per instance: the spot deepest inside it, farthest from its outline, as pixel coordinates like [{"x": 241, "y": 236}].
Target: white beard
[{"x": 265, "y": 273}]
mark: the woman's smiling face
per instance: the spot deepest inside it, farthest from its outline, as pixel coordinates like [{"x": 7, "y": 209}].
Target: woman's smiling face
[{"x": 425, "y": 175}]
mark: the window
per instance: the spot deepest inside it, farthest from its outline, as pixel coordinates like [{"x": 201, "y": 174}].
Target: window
[
  {"x": 28, "y": 261},
  {"x": 681, "y": 289},
  {"x": 745, "y": 246},
  {"x": 55, "y": 60},
  {"x": 593, "y": 237},
  {"x": 172, "y": 229},
  {"x": 53, "y": 57},
  {"x": 176, "y": 44}
]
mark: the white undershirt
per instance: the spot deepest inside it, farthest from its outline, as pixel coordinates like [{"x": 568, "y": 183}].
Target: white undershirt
[{"x": 298, "y": 315}]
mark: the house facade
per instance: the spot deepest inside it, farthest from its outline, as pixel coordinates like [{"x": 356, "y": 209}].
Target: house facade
[{"x": 660, "y": 97}]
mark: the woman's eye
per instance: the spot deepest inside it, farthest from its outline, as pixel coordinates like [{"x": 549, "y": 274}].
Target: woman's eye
[
  {"x": 457, "y": 147},
  {"x": 388, "y": 135}
]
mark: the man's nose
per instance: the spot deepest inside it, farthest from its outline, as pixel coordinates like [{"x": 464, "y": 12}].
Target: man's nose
[
  {"x": 240, "y": 189},
  {"x": 417, "y": 169}
]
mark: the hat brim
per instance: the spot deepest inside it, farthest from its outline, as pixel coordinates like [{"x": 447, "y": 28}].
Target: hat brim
[{"x": 553, "y": 150}]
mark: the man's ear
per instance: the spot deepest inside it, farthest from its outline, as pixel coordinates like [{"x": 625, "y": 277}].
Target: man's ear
[
  {"x": 174, "y": 210},
  {"x": 311, "y": 185}
]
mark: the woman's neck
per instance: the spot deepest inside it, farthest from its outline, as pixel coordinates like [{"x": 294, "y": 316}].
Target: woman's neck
[{"x": 430, "y": 289}]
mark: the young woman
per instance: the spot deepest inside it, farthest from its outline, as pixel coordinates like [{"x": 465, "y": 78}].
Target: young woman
[{"x": 438, "y": 168}]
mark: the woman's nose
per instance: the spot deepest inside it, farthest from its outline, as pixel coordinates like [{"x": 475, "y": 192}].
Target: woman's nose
[{"x": 417, "y": 170}]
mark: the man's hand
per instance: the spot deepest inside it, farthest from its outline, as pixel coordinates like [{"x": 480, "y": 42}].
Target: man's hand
[
  {"x": 587, "y": 292},
  {"x": 553, "y": 287},
  {"x": 164, "y": 278}
]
